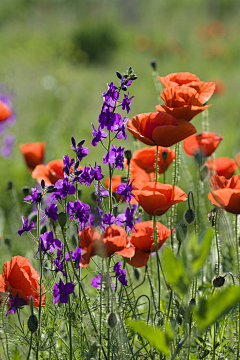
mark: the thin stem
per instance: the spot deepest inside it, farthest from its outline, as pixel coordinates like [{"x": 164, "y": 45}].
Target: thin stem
[
  {"x": 41, "y": 273},
  {"x": 70, "y": 327},
  {"x": 190, "y": 332},
  {"x": 156, "y": 169},
  {"x": 217, "y": 245},
  {"x": 4, "y": 330},
  {"x": 169, "y": 304},
  {"x": 157, "y": 257},
  {"x": 237, "y": 251},
  {"x": 30, "y": 347}
]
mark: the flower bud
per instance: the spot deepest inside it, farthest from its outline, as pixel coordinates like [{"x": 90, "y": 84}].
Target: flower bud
[
  {"x": 112, "y": 320},
  {"x": 192, "y": 303},
  {"x": 124, "y": 88},
  {"x": 218, "y": 281},
  {"x": 76, "y": 165},
  {"x": 181, "y": 232},
  {"x": 136, "y": 273},
  {"x": 153, "y": 64},
  {"x": 204, "y": 172},
  {"x": 10, "y": 185},
  {"x": 33, "y": 217},
  {"x": 119, "y": 75},
  {"x": 198, "y": 157},
  {"x": 42, "y": 184},
  {"x": 25, "y": 191},
  {"x": 164, "y": 155},
  {"x": 32, "y": 323},
  {"x": 115, "y": 211},
  {"x": 73, "y": 142},
  {"x": 51, "y": 189},
  {"x": 130, "y": 70},
  {"x": 128, "y": 156},
  {"x": 62, "y": 219},
  {"x": 133, "y": 77},
  {"x": 74, "y": 241},
  {"x": 7, "y": 241},
  {"x": 189, "y": 216}
]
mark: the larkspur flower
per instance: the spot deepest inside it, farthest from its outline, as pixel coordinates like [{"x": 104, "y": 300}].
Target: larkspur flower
[
  {"x": 25, "y": 226},
  {"x": 67, "y": 164},
  {"x": 96, "y": 282},
  {"x": 36, "y": 196},
  {"x": 62, "y": 291},
  {"x": 96, "y": 172},
  {"x": 120, "y": 129},
  {"x": 127, "y": 102},
  {"x": 111, "y": 94},
  {"x": 81, "y": 151},
  {"x": 108, "y": 219},
  {"x": 114, "y": 157},
  {"x": 48, "y": 243},
  {"x": 126, "y": 219},
  {"x": 125, "y": 190},
  {"x": 120, "y": 274},
  {"x": 64, "y": 188},
  {"x": 16, "y": 303},
  {"x": 103, "y": 193},
  {"x": 117, "y": 268},
  {"x": 76, "y": 257},
  {"x": 98, "y": 135},
  {"x": 78, "y": 211},
  {"x": 51, "y": 212},
  {"x": 58, "y": 262}
]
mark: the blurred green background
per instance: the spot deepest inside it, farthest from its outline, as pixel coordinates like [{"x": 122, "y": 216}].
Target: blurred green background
[{"x": 58, "y": 55}]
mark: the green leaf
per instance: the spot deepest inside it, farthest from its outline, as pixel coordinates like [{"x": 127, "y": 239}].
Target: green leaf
[
  {"x": 175, "y": 271},
  {"x": 210, "y": 310},
  {"x": 204, "y": 250},
  {"x": 153, "y": 335}
]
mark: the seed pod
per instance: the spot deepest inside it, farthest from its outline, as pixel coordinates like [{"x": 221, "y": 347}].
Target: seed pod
[
  {"x": 25, "y": 191},
  {"x": 218, "y": 281},
  {"x": 112, "y": 320},
  {"x": 189, "y": 216},
  {"x": 153, "y": 64},
  {"x": 62, "y": 219},
  {"x": 128, "y": 156},
  {"x": 32, "y": 323},
  {"x": 181, "y": 232},
  {"x": 164, "y": 155}
]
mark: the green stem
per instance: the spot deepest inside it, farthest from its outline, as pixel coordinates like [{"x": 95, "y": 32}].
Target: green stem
[
  {"x": 190, "y": 332},
  {"x": 70, "y": 327},
  {"x": 100, "y": 320},
  {"x": 156, "y": 168},
  {"x": 217, "y": 246},
  {"x": 157, "y": 257},
  {"x": 30, "y": 347},
  {"x": 238, "y": 272},
  {"x": 4, "y": 330},
  {"x": 40, "y": 285}
]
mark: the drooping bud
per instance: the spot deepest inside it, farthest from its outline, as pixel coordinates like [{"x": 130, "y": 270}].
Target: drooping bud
[
  {"x": 218, "y": 281},
  {"x": 62, "y": 219},
  {"x": 32, "y": 323},
  {"x": 128, "y": 156},
  {"x": 198, "y": 157},
  {"x": 181, "y": 232},
  {"x": 124, "y": 88},
  {"x": 164, "y": 155},
  {"x": 119, "y": 75},
  {"x": 25, "y": 191},
  {"x": 153, "y": 64},
  {"x": 112, "y": 320},
  {"x": 136, "y": 273},
  {"x": 43, "y": 184},
  {"x": 189, "y": 216}
]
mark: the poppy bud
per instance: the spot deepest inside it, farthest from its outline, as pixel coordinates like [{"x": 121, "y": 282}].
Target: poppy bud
[
  {"x": 32, "y": 323},
  {"x": 218, "y": 281},
  {"x": 73, "y": 142},
  {"x": 10, "y": 185},
  {"x": 62, "y": 219},
  {"x": 124, "y": 88},
  {"x": 192, "y": 303},
  {"x": 93, "y": 196},
  {"x": 189, "y": 216},
  {"x": 153, "y": 64},
  {"x": 136, "y": 273},
  {"x": 198, "y": 157},
  {"x": 164, "y": 155},
  {"x": 128, "y": 155},
  {"x": 25, "y": 191},
  {"x": 112, "y": 320},
  {"x": 204, "y": 172},
  {"x": 119, "y": 75},
  {"x": 181, "y": 232},
  {"x": 42, "y": 184},
  {"x": 7, "y": 241},
  {"x": 74, "y": 241}
]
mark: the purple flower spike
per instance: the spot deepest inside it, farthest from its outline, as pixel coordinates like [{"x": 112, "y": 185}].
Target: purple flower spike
[
  {"x": 48, "y": 243},
  {"x": 117, "y": 268},
  {"x": 67, "y": 164},
  {"x": 81, "y": 152},
  {"x": 51, "y": 212},
  {"x": 125, "y": 190},
  {"x": 61, "y": 291},
  {"x": 96, "y": 282},
  {"x": 76, "y": 257},
  {"x": 108, "y": 219},
  {"x": 111, "y": 95},
  {"x": 64, "y": 188},
  {"x": 122, "y": 278},
  {"x": 126, "y": 219},
  {"x": 36, "y": 196},
  {"x": 98, "y": 135},
  {"x": 16, "y": 303},
  {"x": 127, "y": 102},
  {"x": 25, "y": 226},
  {"x": 114, "y": 157}
]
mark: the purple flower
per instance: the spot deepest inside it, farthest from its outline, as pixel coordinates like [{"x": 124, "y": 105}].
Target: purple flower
[
  {"x": 86, "y": 176},
  {"x": 78, "y": 211},
  {"x": 59, "y": 261},
  {"x": 114, "y": 157},
  {"x": 125, "y": 190},
  {"x": 117, "y": 268},
  {"x": 76, "y": 257},
  {"x": 61, "y": 291},
  {"x": 98, "y": 135},
  {"x": 67, "y": 164},
  {"x": 81, "y": 151},
  {"x": 36, "y": 196},
  {"x": 98, "y": 219},
  {"x": 126, "y": 82},
  {"x": 112, "y": 94},
  {"x": 51, "y": 212},
  {"x": 48, "y": 243},
  {"x": 96, "y": 172},
  {"x": 16, "y": 303},
  {"x": 96, "y": 282},
  {"x": 127, "y": 102},
  {"x": 126, "y": 219},
  {"x": 25, "y": 226},
  {"x": 120, "y": 129},
  {"x": 7, "y": 148},
  {"x": 103, "y": 193},
  {"x": 120, "y": 274},
  {"x": 108, "y": 219},
  {"x": 64, "y": 188}
]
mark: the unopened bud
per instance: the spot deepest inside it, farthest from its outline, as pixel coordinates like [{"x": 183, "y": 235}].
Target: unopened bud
[
  {"x": 32, "y": 323},
  {"x": 124, "y": 88},
  {"x": 62, "y": 219},
  {"x": 204, "y": 172},
  {"x": 128, "y": 156},
  {"x": 218, "y": 281},
  {"x": 198, "y": 157},
  {"x": 74, "y": 241},
  {"x": 7, "y": 241},
  {"x": 136, "y": 273},
  {"x": 10, "y": 185},
  {"x": 164, "y": 155},
  {"x": 51, "y": 189},
  {"x": 130, "y": 70},
  {"x": 124, "y": 179},
  {"x": 189, "y": 216},
  {"x": 115, "y": 211},
  {"x": 153, "y": 64},
  {"x": 112, "y": 320},
  {"x": 42, "y": 184},
  {"x": 181, "y": 232},
  {"x": 133, "y": 77},
  {"x": 119, "y": 75},
  {"x": 25, "y": 191},
  {"x": 192, "y": 303},
  {"x": 73, "y": 142}
]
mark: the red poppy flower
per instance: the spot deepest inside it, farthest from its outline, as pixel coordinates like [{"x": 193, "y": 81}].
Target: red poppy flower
[
  {"x": 33, "y": 153},
  {"x": 143, "y": 241},
  {"x": 205, "y": 143},
  {"x": 159, "y": 129},
  {"x": 113, "y": 240},
  {"x": 182, "y": 102},
  {"x": 145, "y": 159},
  {"x": 19, "y": 277},
  {"x": 223, "y": 166},
  {"x": 204, "y": 89},
  {"x": 157, "y": 198},
  {"x": 225, "y": 193},
  {"x": 5, "y": 111}
]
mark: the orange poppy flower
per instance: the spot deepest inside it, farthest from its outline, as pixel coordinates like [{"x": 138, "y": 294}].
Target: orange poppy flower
[
  {"x": 33, "y": 153},
  {"x": 223, "y": 166},
  {"x": 238, "y": 159},
  {"x": 182, "y": 102},
  {"x": 204, "y": 143},
  {"x": 19, "y": 277},
  {"x": 225, "y": 193},
  {"x": 113, "y": 240},
  {"x": 145, "y": 159},
  {"x": 159, "y": 129},
  {"x": 143, "y": 241},
  {"x": 50, "y": 173},
  {"x": 204, "y": 89},
  {"x": 5, "y": 111},
  {"x": 157, "y": 198}
]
